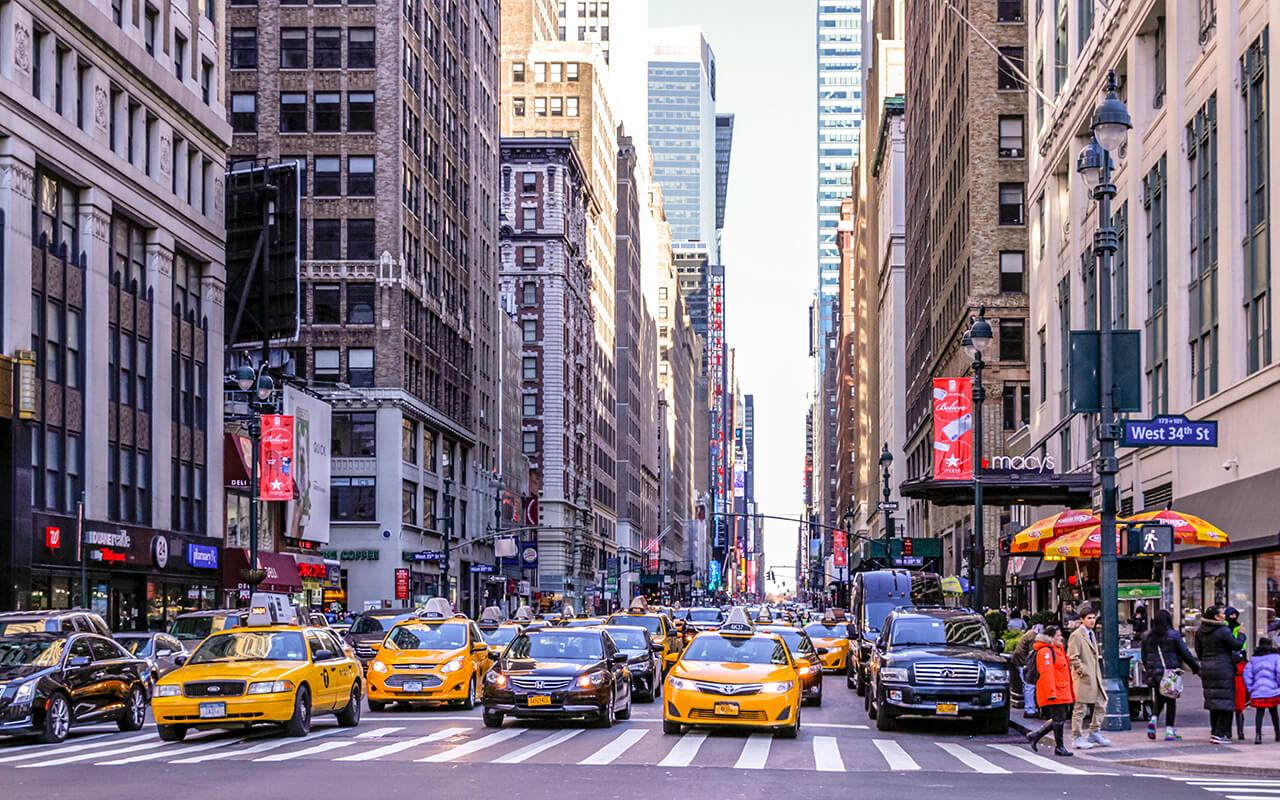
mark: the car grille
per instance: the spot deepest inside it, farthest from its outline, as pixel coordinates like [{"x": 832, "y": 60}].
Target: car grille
[
  {"x": 541, "y": 684},
  {"x": 244, "y": 715},
  {"x": 414, "y": 666},
  {"x": 213, "y": 688},
  {"x": 428, "y": 681},
  {"x": 741, "y": 716},
  {"x": 364, "y": 652},
  {"x": 946, "y": 673},
  {"x": 729, "y": 689}
]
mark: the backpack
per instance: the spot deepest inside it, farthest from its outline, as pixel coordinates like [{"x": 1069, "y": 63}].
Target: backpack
[{"x": 1031, "y": 671}]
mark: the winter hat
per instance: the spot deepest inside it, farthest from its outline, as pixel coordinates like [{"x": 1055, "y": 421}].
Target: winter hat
[{"x": 1264, "y": 647}]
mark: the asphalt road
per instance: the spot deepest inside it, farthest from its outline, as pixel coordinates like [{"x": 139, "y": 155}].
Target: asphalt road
[{"x": 453, "y": 750}]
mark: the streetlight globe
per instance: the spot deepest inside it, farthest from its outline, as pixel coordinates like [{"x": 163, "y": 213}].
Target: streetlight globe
[
  {"x": 1111, "y": 121},
  {"x": 980, "y": 335},
  {"x": 265, "y": 387},
  {"x": 1089, "y": 164},
  {"x": 244, "y": 377},
  {"x": 886, "y": 458}
]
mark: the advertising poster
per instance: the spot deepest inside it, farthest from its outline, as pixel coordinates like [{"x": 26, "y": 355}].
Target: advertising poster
[
  {"x": 308, "y": 511},
  {"x": 952, "y": 429},
  {"x": 276, "y": 480},
  {"x": 838, "y": 544}
]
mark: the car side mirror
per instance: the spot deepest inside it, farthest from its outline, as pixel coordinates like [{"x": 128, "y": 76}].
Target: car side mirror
[
  {"x": 657, "y": 648},
  {"x": 671, "y": 658},
  {"x": 79, "y": 661},
  {"x": 180, "y": 660},
  {"x": 323, "y": 655},
  {"x": 619, "y": 658}
]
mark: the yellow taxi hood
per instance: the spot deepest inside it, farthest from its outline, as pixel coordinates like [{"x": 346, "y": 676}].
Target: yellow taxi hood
[
  {"x": 232, "y": 670},
  {"x": 828, "y": 641},
  {"x": 732, "y": 673},
  {"x": 398, "y": 656}
]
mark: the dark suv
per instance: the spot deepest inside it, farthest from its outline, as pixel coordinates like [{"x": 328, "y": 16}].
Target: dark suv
[
  {"x": 67, "y": 620},
  {"x": 941, "y": 662}
]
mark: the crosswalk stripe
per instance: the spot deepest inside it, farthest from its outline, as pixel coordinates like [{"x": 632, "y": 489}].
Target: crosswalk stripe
[
  {"x": 896, "y": 757},
  {"x": 50, "y": 748},
  {"x": 826, "y": 754},
  {"x": 755, "y": 752},
  {"x": 57, "y": 750},
  {"x": 1038, "y": 760},
  {"x": 87, "y": 756},
  {"x": 468, "y": 748},
  {"x": 528, "y": 752},
  {"x": 378, "y": 733},
  {"x": 323, "y": 747},
  {"x": 389, "y": 749},
  {"x": 972, "y": 760},
  {"x": 611, "y": 751},
  {"x": 191, "y": 748},
  {"x": 271, "y": 744},
  {"x": 1250, "y": 796},
  {"x": 1241, "y": 787},
  {"x": 684, "y": 751}
]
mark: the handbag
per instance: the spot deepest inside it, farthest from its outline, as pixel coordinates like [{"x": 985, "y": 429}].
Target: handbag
[{"x": 1170, "y": 679}]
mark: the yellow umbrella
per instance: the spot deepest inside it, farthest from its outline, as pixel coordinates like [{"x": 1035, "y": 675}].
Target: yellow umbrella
[
  {"x": 1187, "y": 529},
  {"x": 1036, "y": 536}
]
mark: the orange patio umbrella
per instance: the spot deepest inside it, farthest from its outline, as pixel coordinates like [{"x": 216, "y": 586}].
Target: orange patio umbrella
[
  {"x": 1084, "y": 543},
  {"x": 1036, "y": 536},
  {"x": 1187, "y": 529}
]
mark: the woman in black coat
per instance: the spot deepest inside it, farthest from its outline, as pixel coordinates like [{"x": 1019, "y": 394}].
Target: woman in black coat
[
  {"x": 1164, "y": 648},
  {"x": 1215, "y": 646}
]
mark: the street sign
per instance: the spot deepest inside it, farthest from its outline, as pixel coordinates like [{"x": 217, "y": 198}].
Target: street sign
[
  {"x": 482, "y": 568},
  {"x": 890, "y": 505},
  {"x": 909, "y": 561},
  {"x": 1169, "y": 431},
  {"x": 1154, "y": 539},
  {"x": 428, "y": 555}
]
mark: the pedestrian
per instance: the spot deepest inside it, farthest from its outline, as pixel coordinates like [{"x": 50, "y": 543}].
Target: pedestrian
[
  {"x": 1024, "y": 652},
  {"x": 1054, "y": 689},
  {"x": 1139, "y": 621},
  {"x": 1262, "y": 677},
  {"x": 1070, "y": 617},
  {"x": 1163, "y": 651},
  {"x": 1086, "y": 678},
  {"x": 1215, "y": 647},
  {"x": 1016, "y": 622},
  {"x": 1242, "y": 692}
]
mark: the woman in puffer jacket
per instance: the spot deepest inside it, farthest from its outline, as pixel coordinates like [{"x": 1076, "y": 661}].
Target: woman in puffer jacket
[
  {"x": 1262, "y": 678},
  {"x": 1164, "y": 649},
  {"x": 1054, "y": 691}
]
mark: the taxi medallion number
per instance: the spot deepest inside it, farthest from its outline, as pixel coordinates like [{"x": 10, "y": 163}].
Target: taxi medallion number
[
  {"x": 539, "y": 700},
  {"x": 212, "y": 710},
  {"x": 948, "y": 708},
  {"x": 726, "y": 709},
  {"x": 413, "y": 686}
]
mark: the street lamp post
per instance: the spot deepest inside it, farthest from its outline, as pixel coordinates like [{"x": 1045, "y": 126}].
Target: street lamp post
[
  {"x": 448, "y": 535},
  {"x": 1110, "y": 125},
  {"x": 975, "y": 343},
  {"x": 260, "y": 383},
  {"x": 886, "y": 461}
]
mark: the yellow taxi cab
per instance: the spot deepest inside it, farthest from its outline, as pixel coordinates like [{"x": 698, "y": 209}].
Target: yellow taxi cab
[
  {"x": 270, "y": 671},
  {"x": 439, "y": 657},
  {"x": 831, "y": 634},
  {"x": 661, "y": 630},
  {"x": 734, "y": 676}
]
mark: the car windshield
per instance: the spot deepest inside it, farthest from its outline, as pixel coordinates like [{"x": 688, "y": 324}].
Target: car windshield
[
  {"x": 957, "y": 632},
  {"x": 736, "y": 650},
  {"x": 420, "y": 636},
  {"x": 30, "y": 652},
  {"x": 875, "y": 614},
  {"x": 581, "y": 623},
  {"x": 706, "y": 615},
  {"x": 627, "y": 638},
  {"x": 500, "y": 637},
  {"x": 196, "y": 628},
  {"x": 251, "y": 646},
  {"x": 825, "y": 630},
  {"x": 651, "y": 624},
  {"x": 11, "y": 627},
  {"x": 796, "y": 640},
  {"x": 559, "y": 647},
  {"x": 137, "y": 645},
  {"x": 375, "y": 623}
]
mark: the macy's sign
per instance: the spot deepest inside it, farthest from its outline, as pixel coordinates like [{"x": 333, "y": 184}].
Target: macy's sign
[{"x": 1020, "y": 463}]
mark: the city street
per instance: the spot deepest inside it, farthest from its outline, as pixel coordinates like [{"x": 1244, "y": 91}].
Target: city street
[{"x": 451, "y": 749}]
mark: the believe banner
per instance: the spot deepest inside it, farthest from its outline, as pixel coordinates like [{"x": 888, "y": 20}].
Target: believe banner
[
  {"x": 276, "y": 480},
  {"x": 953, "y": 429}
]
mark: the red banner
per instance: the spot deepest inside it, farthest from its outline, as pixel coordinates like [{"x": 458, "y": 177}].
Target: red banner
[
  {"x": 839, "y": 554},
  {"x": 952, "y": 429},
  {"x": 276, "y": 480},
  {"x": 402, "y": 584}
]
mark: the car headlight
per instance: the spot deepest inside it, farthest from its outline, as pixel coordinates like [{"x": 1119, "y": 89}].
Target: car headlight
[
  {"x": 378, "y": 666},
  {"x": 497, "y": 679},
  {"x": 591, "y": 679},
  {"x": 778, "y": 687},
  {"x": 164, "y": 690},
  {"x": 680, "y": 684},
  {"x": 808, "y": 670},
  {"x": 997, "y": 675},
  {"x": 896, "y": 674},
  {"x": 453, "y": 665},
  {"x": 270, "y": 687},
  {"x": 25, "y": 692}
]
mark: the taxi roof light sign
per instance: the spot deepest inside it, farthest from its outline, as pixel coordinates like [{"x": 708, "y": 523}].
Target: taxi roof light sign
[
  {"x": 266, "y": 608},
  {"x": 738, "y": 624},
  {"x": 491, "y": 614},
  {"x": 524, "y": 614},
  {"x": 638, "y": 606},
  {"x": 437, "y": 608}
]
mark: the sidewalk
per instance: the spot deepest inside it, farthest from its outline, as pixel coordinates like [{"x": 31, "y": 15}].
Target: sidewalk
[{"x": 1194, "y": 754}]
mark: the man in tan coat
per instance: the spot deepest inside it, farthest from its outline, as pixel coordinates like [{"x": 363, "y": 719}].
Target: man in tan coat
[{"x": 1086, "y": 678}]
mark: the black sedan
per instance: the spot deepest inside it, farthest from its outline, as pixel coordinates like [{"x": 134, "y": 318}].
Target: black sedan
[
  {"x": 371, "y": 627},
  {"x": 51, "y": 681},
  {"x": 644, "y": 660},
  {"x": 159, "y": 650},
  {"x": 559, "y": 673}
]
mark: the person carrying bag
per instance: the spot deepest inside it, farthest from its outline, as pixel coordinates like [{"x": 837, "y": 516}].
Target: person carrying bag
[{"x": 1164, "y": 651}]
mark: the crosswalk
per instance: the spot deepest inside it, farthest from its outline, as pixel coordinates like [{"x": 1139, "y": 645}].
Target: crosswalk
[
  {"x": 640, "y": 742},
  {"x": 1236, "y": 788}
]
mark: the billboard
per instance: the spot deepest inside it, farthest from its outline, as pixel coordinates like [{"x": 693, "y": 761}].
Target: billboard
[
  {"x": 308, "y": 510},
  {"x": 953, "y": 429},
  {"x": 262, "y": 271},
  {"x": 276, "y": 480}
]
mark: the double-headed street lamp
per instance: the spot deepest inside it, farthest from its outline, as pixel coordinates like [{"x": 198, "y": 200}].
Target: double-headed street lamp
[
  {"x": 1110, "y": 125},
  {"x": 260, "y": 387},
  {"x": 975, "y": 342}
]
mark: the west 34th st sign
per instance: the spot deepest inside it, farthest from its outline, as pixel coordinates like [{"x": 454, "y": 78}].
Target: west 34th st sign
[{"x": 1170, "y": 431}]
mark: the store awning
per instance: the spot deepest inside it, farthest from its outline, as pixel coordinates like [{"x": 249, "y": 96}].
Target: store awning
[
  {"x": 1030, "y": 568},
  {"x": 282, "y": 571},
  {"x": 236, "y": 450},
  {"x": 1070, "y": 490},
  {"x": 1247, "y": 509}
]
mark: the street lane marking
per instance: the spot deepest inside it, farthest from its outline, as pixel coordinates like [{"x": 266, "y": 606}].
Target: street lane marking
[
  {"x": 191, "y": 748},
  {"x": 89, "y": 756},
  {"x": 388, "y": 749},
  {"x": 474, "y": 746},
  {"x": 1250, "y": 796},
  {"x": 58, "y": 750},
  {"x": 1038, "y": 760},
  {"x": 826, "y": 754},
  {"x": 378, "y": 733},
  {"x": 837, "y": 725},
  {"x": 895, "y": 755},
  {"x": 611, "y": 751},
  {"x": 683, "y": 753},
  {"x": 257, "y": 748},
  {"x": 972, "y": 760},
  {"x": 528, "y": 752},
  {"x": 71, "y": 740},
  {"x": 755, "y": 752},
  {"x": 323, "y": 747}
]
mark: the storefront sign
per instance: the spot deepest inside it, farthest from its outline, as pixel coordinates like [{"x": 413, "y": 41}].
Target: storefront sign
[
  {"x": 107, "y": 556},
  {"x": 276, "y": 481},
  {"x": 160, "y": 551},
  {"x": 333, "y": 576},
  {"x": 529, "y": 553},
  {"x": 26, "y": 384},
  {"x": 953, "y": 429},
  {"x": 1140, "y": 591},
  {"x": 402, "y": 584},
  {"x": 351, "y": 555},
  {"x": 202, "y": 556},
  {"x": 1037, "y": 464},
  {"x": 53, "y": 537},
  {"x": 119, "y": 539},
  {"x": 310, "y": 571}
]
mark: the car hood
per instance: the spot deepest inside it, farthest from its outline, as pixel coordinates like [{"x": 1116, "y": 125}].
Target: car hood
[
  {"x": 824, "y": 641},
  {"x": 365, "y": 638},
  {"x": 526, "y": 666},
  {"x": 234, "y": 671},
  {"x": 18, "y": 672},
  {"x": 943, "y": 652},
  {"x": 638, "y": 654},
  {"x": 732, "y": 673}
]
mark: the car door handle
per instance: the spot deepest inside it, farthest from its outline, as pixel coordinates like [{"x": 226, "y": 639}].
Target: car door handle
[{"x": 97, "y": 674}]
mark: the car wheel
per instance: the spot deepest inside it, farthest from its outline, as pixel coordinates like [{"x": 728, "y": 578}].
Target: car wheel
[
  {"x": 655, "y": 680},
  {"x": 817, "y": 701},
  {"x": 862, "y": 684},
  {"x": 172, "y": 733},
  {"x": 134, "y": 712},
  {"x": 868, "y": 706},
  {"x": 377, "y": 705},
  {"x": 625, "y": 713},
  {"x": 793, "y": 731},
  {"x": 492, "y": 719},
  {"x": 300, "y": 723},
  {"x": 671, "y": 728},
  {"x": 997, "y": 724},
  {"x": 57, "y": 720},
  {"x": 604, "y": 717},
  {"x": 885, "y": 721},
  {"x": 470, "y": 702},
  {"x": 349, "y": 717}
]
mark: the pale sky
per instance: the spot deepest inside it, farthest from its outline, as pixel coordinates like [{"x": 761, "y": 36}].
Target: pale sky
[{"x": 766, "y": 70}]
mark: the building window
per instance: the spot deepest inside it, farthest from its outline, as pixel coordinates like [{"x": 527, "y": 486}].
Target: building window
[
  {"x": 517, "y": 72},
  {"x": 149, "y": 15},
  {"x": 244, "y": 48},
  {"x": 293, "y": 48},
  {"x": 540, "y": 106},
  {"x": 529, "y": 218},
  {"x": 326, "y": 302},
  {"x": 1257, "y": 218},
  {"x": 360, "y": 176},
  {"x": 354, "y": 435},
  {"x": 1011, "y": 137},
  {"x": 327, "y": 236},
  {"x": 529, "y": 294},
  {"x": 1013, "y": 340},
  {"x": 529, "y": 442},
  {"x": 529, "y": 256},
  {"x": 1157, "y": 322},
  {"x": 1064, "y": 342},
  {"x": 328, "y": 110},
  {"x": 360, "y": 303},
  {"x": 1060, "y": 48},
  {"x": 328, "y": 180},
  {"x": 1160, "y": 63},
  {"x": 360, "y": 111},
  {"x": 571, "y": 71},
  {"x": 571, "y": 106},
  {"x": 360, "y": 367},
  {"x": 293, "y": 112},
  {"x": 529, "y": 330},
  {"x": 1044, "y": 365},
  {"x": 179, "y": 57},
  {"x": 1011, "y": 204},
  {"x": 206, "y": 78},
  {"x": 327, "y": 367},
  {"x": 1084, "y": 20},
  {"x": 360, "y": 48},
  {"x": 529, "y": 405},
  {"x": 1013, "y": 268},
  {"x": 326, "y": 48},
  {"x": 528, "y": 182},
  {"x": 244, "y": 112},
  {"x": 409, "y": 503},
  {"x": 529, "y": 368},
  {"x": 1120, "y": 290},
  {"x": 360, "y": 239},
  {"x": 557, "y": 106},
  {"x": 1011, "y": 63},
  {"x": 409, "y": 441},
  {"x": 1202, "y": 160},
  {"x": 517, "y": 106},
  {"x": 57, "y": 213},
  {"x": 1208, "y": 19},
  {"x": 353, "y": 499},
  {"x": 1009, "y": 10}
]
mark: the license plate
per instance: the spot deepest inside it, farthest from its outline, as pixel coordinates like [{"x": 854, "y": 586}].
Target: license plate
[
  {"x": 539, "y": 700},
  {"x": 948, "y": 708},
  {"x": 212, "y": 710},
  {"x": 413, "y": 686},
  {"x": 726, "y": 709}
]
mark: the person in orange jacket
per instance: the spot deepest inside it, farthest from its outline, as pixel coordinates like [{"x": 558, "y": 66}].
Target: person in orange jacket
[{"x": 1054, "y": 691}]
